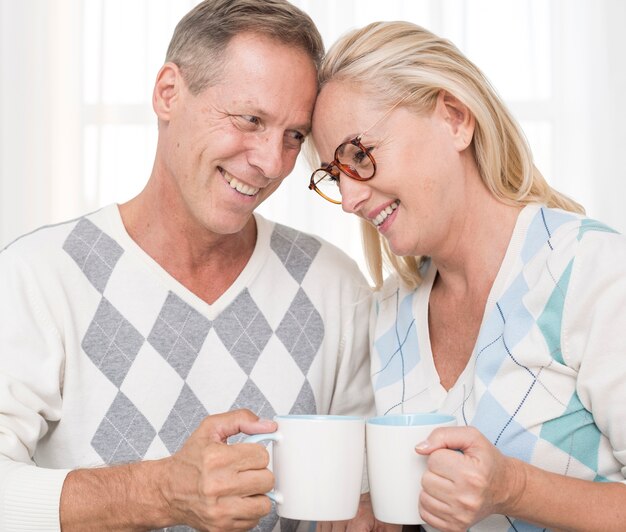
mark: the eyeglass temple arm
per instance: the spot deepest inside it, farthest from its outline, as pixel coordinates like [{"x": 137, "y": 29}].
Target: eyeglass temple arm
[{"x": 385, "y": 115}]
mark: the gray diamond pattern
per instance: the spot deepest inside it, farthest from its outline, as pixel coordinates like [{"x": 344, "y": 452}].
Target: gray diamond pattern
[
  {"x": 95, "y": 252},
  {"x": 251, "y": 395},
  {"x": 305, "y": 403},
  {"x": 301, "y": 331},
  {"x": 178, "y": 334},
  {"x": 124, "y": 434},
  {"x": 111, "y": 342},
  {"x": 269, "y": 521},
  {"x": 243, "y": 330},
  {"x": 288, "y": 525},
  {"x": 296, "y": 250},
  {"x": 184, "y": 418}
]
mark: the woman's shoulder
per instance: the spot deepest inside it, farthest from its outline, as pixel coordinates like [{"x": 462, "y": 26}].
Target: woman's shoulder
[
  {"x": 565, "y": 253},
  {"x": 555, "y": 232}
]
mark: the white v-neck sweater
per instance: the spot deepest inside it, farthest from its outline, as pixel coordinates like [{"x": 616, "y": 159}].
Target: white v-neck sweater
[{"x": 105, "y": 358}]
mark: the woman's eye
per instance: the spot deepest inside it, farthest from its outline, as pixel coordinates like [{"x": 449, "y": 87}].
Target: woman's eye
[
  {"x": 332, "y": 175},
  {"x": 360, "y": 156}
]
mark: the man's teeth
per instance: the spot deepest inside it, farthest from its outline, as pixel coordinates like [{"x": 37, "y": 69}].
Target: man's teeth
[
  {"x": 382, "y": 215},
  {"x": 241, "y": 187}
]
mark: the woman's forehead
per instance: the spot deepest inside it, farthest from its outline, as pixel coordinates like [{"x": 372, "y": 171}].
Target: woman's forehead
[
  {"x": 342, "y": 110},
  {"x": 347, "y": 96}
]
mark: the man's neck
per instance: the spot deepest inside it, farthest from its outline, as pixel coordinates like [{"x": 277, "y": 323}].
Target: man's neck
[{"x": 207, "y": 264}]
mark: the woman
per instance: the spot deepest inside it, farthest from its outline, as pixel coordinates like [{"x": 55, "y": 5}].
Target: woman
[{"x": 505, "y": 307}]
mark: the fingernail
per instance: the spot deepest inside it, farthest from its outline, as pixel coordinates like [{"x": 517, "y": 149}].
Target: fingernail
[{"x": 422, "y": 446}]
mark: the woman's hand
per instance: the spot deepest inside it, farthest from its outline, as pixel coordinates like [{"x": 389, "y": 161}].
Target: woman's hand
[
  {"x": 364, "y": 521},
  {"x": 462, "y": 488}
]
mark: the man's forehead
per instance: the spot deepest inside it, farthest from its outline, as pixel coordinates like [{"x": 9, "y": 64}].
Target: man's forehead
[{"x": 270, "y": 80}]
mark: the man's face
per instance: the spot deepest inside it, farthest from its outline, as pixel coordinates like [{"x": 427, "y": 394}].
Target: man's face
[{"x": 226, "y": 149}]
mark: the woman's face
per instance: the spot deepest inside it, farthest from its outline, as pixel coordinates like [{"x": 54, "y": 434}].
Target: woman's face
[{"x": 417, "y": 195}]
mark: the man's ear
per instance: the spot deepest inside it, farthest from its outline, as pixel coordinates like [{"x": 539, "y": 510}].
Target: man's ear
[
  {"x": 458, "y": 117},
  {"x": 167, "y": 89}
]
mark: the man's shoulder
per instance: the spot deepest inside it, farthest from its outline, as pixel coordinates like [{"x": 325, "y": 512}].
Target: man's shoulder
[
  {"x": 286, "y": 240},
  {"x": 47, "y": 238}
]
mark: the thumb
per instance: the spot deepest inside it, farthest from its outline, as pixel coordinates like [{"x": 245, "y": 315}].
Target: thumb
[
  {"x": 219, "y": 427},
  {"x": 456, "y": 438}
]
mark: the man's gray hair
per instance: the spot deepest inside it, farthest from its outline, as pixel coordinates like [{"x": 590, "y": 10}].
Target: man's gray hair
[{"x": 202, "y": 35}]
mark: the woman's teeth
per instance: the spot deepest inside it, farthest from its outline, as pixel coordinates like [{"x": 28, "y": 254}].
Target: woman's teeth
[
  {"x": 239, "y": 186},
  {"x": 382, "y": 215}
]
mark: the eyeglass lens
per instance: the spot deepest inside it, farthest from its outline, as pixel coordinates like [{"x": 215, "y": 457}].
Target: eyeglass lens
[{"x": 353, "y": 161}]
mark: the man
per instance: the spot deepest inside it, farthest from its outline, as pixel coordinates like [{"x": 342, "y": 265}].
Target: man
[{"x": 125, "y": 332}]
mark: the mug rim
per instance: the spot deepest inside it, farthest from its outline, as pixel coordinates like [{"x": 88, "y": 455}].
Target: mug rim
[
  {"x": 318, "y": 417},
  {"x": 411, "y": 420}
]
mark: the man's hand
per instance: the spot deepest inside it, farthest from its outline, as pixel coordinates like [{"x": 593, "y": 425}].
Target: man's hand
[
  {"x": 364, "y": 521},
  {"x": 213, "y": 485},
  {"x": 208, "y": 484}
]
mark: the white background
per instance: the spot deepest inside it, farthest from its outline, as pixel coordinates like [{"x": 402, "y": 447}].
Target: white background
[{"x": 77, "y": 130}]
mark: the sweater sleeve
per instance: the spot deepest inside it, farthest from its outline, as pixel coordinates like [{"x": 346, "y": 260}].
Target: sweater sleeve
[
  {"x": 31, "y": 364},
  {"x": 594, "y": 333},
  {"x": 353, "y": 392}
]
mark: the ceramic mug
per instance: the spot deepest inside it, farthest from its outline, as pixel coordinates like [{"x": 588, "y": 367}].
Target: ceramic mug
[
  {"x": 394, "y": 468},
  {"x": 317, "y": 462}
]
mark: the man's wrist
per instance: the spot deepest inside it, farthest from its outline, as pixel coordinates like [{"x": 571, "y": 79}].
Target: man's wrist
[
  {"x": 148, "y": 482},
  {"x": 129, "y": 497}
]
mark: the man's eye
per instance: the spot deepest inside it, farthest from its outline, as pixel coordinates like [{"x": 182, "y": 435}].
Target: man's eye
[
  {"x": 294, "y": 139},
  {"x": 248, "y": 121}
]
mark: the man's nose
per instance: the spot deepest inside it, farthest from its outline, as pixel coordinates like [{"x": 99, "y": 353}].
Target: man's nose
[
  {"x": 354, "y": 193},
  {"x": 268, "y": 155}
]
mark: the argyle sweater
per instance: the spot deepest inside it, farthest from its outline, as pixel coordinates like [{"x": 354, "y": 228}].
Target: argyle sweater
[
  {"x": 105, "y": 358},
  {"x": 546, "y": 381}
]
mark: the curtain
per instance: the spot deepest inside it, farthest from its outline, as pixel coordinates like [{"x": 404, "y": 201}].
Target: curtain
[{"x": 40, "y": 114}]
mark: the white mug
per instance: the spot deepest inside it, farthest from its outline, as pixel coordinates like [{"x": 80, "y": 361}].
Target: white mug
[
  {"x": 394, "y": 468},
  {"x": 318, "y": 466}
]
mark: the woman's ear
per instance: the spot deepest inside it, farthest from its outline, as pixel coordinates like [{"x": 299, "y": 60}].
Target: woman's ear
[
  {"x": 166, "y": 90},
  {"x": 458, "y": 117}
]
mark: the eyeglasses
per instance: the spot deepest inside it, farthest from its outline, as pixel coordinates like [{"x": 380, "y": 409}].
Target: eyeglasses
[{"x": 351, "y": 158}]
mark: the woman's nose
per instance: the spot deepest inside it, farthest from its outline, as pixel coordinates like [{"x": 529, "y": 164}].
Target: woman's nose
[{"x": 353, "y": 193}]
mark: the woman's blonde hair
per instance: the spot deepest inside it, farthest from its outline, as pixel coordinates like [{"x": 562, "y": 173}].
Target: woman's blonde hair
[{"x": 392, "y": 59}]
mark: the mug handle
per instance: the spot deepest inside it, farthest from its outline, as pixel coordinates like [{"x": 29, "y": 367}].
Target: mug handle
[{"x": 273, "y": 436}]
